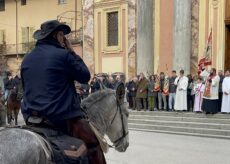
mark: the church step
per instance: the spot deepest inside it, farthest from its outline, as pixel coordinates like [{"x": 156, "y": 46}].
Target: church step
[
  {"x": 180, "y": 129},
  {"x": 181, "y": 119},
  {"x": 179, "y": 114},
  {"x": 182, "y": 133},
  {"x": 181, "y": 124}
]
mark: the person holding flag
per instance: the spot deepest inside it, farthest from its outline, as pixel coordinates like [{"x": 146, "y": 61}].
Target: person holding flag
[{"x": 207, "y": 59}]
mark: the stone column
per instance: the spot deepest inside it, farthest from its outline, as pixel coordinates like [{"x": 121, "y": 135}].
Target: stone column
[
  {"x": 145, "y": 36},
  {"x": 182, "y": 35}
]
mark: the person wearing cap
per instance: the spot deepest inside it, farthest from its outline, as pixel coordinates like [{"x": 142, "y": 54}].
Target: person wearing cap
[{"x": 48, "y": 74}]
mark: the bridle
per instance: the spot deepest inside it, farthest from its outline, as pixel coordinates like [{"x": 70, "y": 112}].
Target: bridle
[{"x": 124, "y": 133}]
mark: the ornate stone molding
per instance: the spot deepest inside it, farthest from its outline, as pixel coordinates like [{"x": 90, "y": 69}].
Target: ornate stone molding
[
  {"x": 109, "y": 3},
  {"x": 215, "y": 3}
]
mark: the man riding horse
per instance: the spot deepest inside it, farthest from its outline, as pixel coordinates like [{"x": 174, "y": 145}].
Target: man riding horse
[{"x": 48, "y": 74}]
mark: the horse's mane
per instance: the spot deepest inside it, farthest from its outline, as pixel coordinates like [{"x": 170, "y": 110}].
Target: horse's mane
[{"x": 95, "y": 97}]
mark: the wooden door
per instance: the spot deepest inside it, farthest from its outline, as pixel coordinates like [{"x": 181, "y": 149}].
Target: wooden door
[{"x": 227, "y": 51}]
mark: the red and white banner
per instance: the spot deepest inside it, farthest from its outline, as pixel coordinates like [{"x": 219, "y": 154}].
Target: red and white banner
[{"x": 207, "y": 59}]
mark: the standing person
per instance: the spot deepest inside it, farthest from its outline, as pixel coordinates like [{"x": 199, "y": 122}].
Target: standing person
[
  {"x": 181, "y": 92},
  {"x": 117, "y": 81},
  {"x": 141, "y": 96},
  {"x": 151, "y": 93},
  {"x": 129, "y": 86},
  {"x": 1, "y": 83},
  {"x": 172, "y": 90},
  {"x": 226, "y": 93},
  {"x": 111, "y": 82},
  {"x": 94, "y": 85},
  {"x": 210, "y": 103},
  {"x": 198, "y": 90},
  {"x": 221, "y": 75},
  {"x": 161, "y": 94},
  {"x": 48, "y": 74},
  {"x": 107, "y": 83},
  {"x": 134, "y": 92},
  {"x": 132, "y": 88},
  {"x": 2, "y": 109},
  {"x": 8, "y": 85},
  {"x": 190, "y": 100}
]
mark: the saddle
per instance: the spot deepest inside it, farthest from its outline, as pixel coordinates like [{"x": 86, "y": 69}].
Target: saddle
[{"x": 65, "y": 149}]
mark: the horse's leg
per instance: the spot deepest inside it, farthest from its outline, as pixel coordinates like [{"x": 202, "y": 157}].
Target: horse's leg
[
  {"x": 81, "y": 129},
  {"x": 9, "y": 115},
  {"x": 15, "y": 116}
]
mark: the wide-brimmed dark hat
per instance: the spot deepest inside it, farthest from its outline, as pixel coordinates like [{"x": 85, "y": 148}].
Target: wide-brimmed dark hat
[{"x": 50, "y": 26}]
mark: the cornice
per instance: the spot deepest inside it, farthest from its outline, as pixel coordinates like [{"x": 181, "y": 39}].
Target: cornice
[{"x": 106, "y": 3}]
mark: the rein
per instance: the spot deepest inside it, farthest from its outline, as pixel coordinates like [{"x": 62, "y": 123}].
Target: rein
[{"x": 124, "y": 133}]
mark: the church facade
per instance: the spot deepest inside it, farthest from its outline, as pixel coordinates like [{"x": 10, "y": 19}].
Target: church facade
[
  {"x": 133, "y": 36},
  {"x": 129, "y": 36}
]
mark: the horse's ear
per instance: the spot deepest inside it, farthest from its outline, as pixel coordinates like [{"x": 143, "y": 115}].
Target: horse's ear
[{"x": 120, "y": 92}]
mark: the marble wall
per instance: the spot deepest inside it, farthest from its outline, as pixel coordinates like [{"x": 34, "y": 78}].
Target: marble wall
[
  {"x": 132, "y": 38},
  {"x": 195, "y": 35},
  {"x": 88, "y": 36},
  {"x": 145, "y": 58},
  {"x": 182, "y": 35}
]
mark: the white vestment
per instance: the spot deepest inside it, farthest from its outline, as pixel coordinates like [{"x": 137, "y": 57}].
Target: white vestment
[
  {"x": 214, "y": 89},
  {"x": 226, "y": 98},
  {"x": 181, "y": 93},
  {"x": 199, "y": 90}
]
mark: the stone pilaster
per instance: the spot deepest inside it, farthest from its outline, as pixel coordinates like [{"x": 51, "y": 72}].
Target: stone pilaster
[
  {"x": 145, "y": 61},
  {"x": 182, "y": 35},
  {"x": 195, "y": 36},
  {"x": 132, "y": 38},
  {"x": 88, "y": 34}
]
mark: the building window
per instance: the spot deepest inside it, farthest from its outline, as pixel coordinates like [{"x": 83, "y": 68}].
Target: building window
[
  {"x": 27, "y": 38},
  {"x": 23, "y": 2},
  {"x": 2, "y": 5},
  {"x": 62, "y": 2},
  {"x": 112, "y": 29}
]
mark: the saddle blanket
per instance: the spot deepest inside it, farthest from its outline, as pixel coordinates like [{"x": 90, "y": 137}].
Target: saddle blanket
[{"x": 65, "y": 149}]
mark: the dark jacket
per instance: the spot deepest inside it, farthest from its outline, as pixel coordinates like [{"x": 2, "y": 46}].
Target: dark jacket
[
  {"x": 9, "y": 83},
  {"x": 48, "y": 74},
  {"x": 17, "y": 81},
  {"x": 172, "y": 86},
  {"x": 151, "y": 92},
  {"x": 142, "y": 88},
  {"x": 132, "y": 88},
  {"x": 220, "y": 83},
  {"x": 108, "y": 84}
]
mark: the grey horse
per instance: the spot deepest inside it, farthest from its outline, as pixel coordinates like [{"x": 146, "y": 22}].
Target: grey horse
[{"x": 105, "y": 114}]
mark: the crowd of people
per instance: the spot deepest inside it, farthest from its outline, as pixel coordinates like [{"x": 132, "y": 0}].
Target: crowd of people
[
  {"x": 98, "y": 82},
  {"x": 208, "y": 92},
  {"x": 7, "y": 83}
]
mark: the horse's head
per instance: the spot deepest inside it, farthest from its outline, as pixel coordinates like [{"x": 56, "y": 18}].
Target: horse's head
[
  {"x": 118, "y": 130},
  {"x": 107, "y": 110}
]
